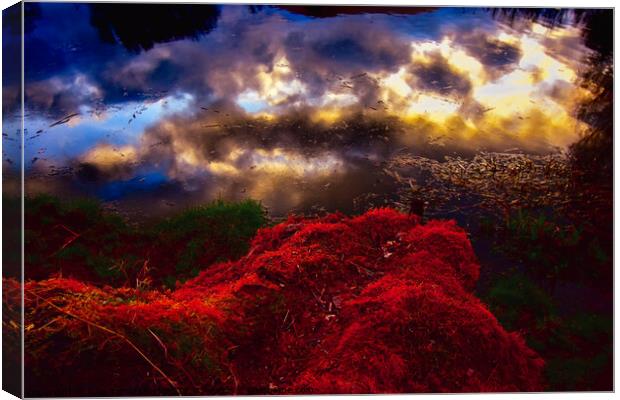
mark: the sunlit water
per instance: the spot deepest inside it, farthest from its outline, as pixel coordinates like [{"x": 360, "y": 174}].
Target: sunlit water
[{"x": 296, "y": 111}]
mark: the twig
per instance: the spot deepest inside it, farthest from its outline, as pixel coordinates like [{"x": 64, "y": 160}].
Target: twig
[
  {"x": 70, "y": 240},
  {"x": 359, "y": 267},
  {"x": 285, "y": 317},
  {"x": 160, "y": 342},
  {"x": 112, "y": 332},
  {"x": 231, "y": 369}
]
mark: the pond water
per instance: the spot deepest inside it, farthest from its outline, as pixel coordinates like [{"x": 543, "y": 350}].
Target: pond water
[{"x": 153, "y": 109}]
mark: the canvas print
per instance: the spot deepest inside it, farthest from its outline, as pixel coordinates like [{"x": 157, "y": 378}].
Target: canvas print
[{"x": 297, "y": 199}]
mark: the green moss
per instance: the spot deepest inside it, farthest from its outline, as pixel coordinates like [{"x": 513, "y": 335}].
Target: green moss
[
  {"x": 591, "y": 327},
  {"x": 552, "y": 248},
  {"x": 177, "y": 248},
  {"x": 510, "y": 297},
  {"x": 576, "y": 373},
  {"x": 217, "y": 231},
  {"x": 240, "y": 219}
]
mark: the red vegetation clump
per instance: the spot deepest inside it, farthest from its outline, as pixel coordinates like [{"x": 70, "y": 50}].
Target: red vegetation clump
[{"x": 378, "y": 303}]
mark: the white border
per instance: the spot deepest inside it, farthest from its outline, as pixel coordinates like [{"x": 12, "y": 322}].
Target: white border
[{"x": 468, "y": 3}]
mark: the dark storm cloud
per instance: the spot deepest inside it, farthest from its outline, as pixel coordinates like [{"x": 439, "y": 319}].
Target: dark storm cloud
[
  {"x": 561, "y": 92},
  {"x": 61, "y": 97},
  {"x": 355, "y": 53},
  {"x": 566, "y": 48},
  {"x": 498, "y": 57},
  {"x": 436, "y": 75},
  {"x": 339, "y": 56},
  {"x": 347, "y": 45},
  {"x": 229, "y": 60},
  {"x": 68, "y": 64},
  {"x": 61, "y": 46},
  {"x": 291, "y": 162},
  {"x": 323, "y": 55},
  {"x": 212, "y": 137},
  {"x": 91, "y": 173},
  {"x": 471, "y": 109},
  {"x": 294, "y": 41}
]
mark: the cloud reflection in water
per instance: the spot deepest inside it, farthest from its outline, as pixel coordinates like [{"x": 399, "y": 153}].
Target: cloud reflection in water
[{"x": 288, "y": 108}]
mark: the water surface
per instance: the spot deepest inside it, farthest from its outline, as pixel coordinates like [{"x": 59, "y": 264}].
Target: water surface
[{"x": 297, "y": 107}]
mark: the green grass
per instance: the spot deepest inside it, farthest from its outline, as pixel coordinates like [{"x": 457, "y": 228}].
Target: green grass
[
  {"x": 586, "y": 355},
  {"x": 551, "y": 248},
  {"x": 176, "y": 248},
  {"x": 220, "y": 230},
  {"x": 240, "y": 219},
  {"x": 512, "y": 297},
  {"x": 577, "y": 348},
  {"x": 542, "y": 241}
]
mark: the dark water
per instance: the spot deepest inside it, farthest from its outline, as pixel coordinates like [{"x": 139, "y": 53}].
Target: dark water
[{"x": 154, "y": 108}]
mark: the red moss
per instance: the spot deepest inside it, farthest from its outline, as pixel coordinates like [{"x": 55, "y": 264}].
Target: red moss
[
  {"x": 373, "y": 304},
  {"x": 404, "y": 335}
]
